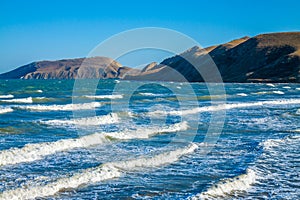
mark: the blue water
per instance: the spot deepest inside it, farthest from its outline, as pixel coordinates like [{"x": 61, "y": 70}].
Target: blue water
[{"x": 255, "y": 156}]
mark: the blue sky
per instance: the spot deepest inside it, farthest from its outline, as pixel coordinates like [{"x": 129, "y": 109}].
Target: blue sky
[{"x": 48, "y": 30}]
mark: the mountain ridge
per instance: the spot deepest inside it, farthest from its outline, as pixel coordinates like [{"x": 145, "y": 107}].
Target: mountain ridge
[{"x": 272, "y": 57}]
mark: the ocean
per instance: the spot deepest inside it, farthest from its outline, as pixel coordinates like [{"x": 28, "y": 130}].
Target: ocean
[{"x": 114, "y": 139}]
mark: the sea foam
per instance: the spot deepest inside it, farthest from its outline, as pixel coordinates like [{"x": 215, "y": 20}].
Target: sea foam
[
  {"x": 32, "y": 152},
  {"x": 223, "y": 107},
  {"x": 278, "y": 92},
  {"x": 108, "y": 96},
  {"x": 5, "y": 110},
  {"x": 8, "y": 96},
  {"x": 226, "y": 187},
  {"x": 20, "y": 100},
  {"x": 88, "y": 121},
  {"x": 98, "y": 174},
  {"x": 66, "y": 107},
  {"x": 242, "y": 94}
]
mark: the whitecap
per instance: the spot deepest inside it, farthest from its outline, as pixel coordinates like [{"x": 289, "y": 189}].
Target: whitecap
[
  {"x": 286, "y": 87},
  {"x": 270, "y": 84},
  {"x": 242, "y": 94},
  {"x": 8, "y": 96},
  {"x": 20, "y": 100},
  {"x": 66, "y": 107},
  {"x": 5, "y": 110},
  {"x": 226, "y": 187},
  {"x": 32, "y": 152},
  {"x": 196, "y": 110},
  {"x": 111, "y": 96},
  {"x": 88, "y": 121},
  {"x": 278, "y": 92},
  {"x": 259, "y": 93},
  {"x": 97, "y": 174},
  {"x": 149, "y": 94}
]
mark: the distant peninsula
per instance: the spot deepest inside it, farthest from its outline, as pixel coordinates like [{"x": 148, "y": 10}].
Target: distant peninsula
[{"x": 273, "y": 58}]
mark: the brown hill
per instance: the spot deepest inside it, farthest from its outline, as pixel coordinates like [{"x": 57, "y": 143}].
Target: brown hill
[
  {"x": 265, "y": 58},
  {"x": 96, "y": 67},
  {"x": 271, "y": 57}
]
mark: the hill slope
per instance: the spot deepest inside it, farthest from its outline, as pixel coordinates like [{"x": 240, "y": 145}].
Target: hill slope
[
  {"x": 96, "y": 67},
  {"x": 265, "y": 58},
  {"x": 271, "y": 57}
]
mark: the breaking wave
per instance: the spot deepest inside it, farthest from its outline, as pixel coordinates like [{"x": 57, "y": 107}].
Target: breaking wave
[
  {"x": 20, "y": 100},
  {"x": 66, "y": 107},
  {"x": 224, "y": 107},
  {"x": 242, "y": 94},
  {"x": 98, "y": 174},
  {"x": 89, "y": 121},
  {"x": 5, "y": 110},
  {"x": 32, "y": 152},
  {"x": 226, "y": 187},
  {"x": 271, "y": 143},
  {"x": 111, "y": 96},
  {"x": 270, "y": 84},
  {"x": 149, "y": 94},
  {"x": 278, "y": 92},
  {"x": 8, "y": 96}
]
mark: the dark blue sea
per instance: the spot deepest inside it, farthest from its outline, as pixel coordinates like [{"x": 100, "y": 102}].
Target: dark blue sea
[{"x": 114, "y": 139}]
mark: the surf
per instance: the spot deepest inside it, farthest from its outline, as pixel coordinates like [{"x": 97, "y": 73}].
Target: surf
[
  {"x": 32, "y": 152},
  {"x": 108, "y": 96},
  {"x": 65, "y": 107},
  {"x": 224, "y": 107},
  {"x": 226, "y": 187},
  {"x": 19, "y": 100},
  {"x": 5, "y": 110},
  {"x": 88, "y": 121},
  {"x": 97, "y": 174}
]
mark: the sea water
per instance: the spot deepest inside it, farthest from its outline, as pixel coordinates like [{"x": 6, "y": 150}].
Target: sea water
[{"x": 62, "y": 142}]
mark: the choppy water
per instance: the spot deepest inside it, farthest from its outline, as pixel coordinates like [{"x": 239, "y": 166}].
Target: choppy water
[{"x": 148, "y": 142}]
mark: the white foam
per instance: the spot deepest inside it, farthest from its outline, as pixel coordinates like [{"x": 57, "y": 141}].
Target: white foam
[
  {"x": 278, "y": 92},
  {"x": 33, "y": 152},
  {"x": 5, "y": 110},
  {"x": 262, "y": 92},
  {"x": 39, "y": 91},
  {"x": 8, "y": 96},
  {"x": 158, "y": 160},
  {"x": 242, "y": 94},
  {"x": 270, "y": 84},
  {"x": 88, "y": 121},
  {"x": 144, "y": 133},
  {"x": 223, "y": 188},
  {"x": 20, "y": 100},
  {"x": 111, "y": 96},
  {"x": 297, "y": 88},
  {"x": 224, "y": 107},
  {"x": 271, "y": 143},
  {"x": 150, "y": 94},
  {"x": 97, "y": 174},
  {"x": 66, "y": 107},
  {"x": 286, "y": 87}
]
